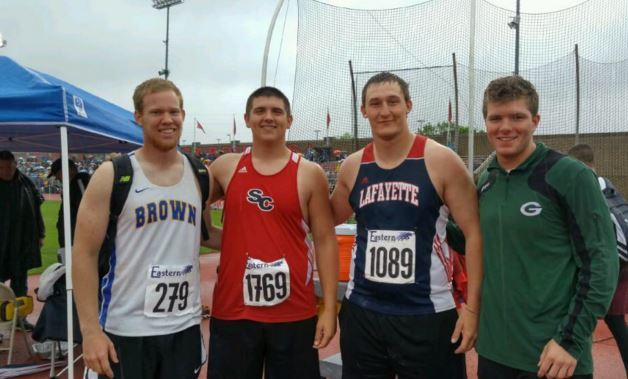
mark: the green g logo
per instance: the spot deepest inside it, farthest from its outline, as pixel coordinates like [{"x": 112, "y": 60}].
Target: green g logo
[{"x": 531, "y": 209}]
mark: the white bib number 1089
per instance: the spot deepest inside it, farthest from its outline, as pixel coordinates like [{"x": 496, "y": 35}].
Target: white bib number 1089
[{"x": 390, "y": 256}]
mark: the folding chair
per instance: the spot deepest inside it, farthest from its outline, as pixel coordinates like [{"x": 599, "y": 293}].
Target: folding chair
[
  {"x": 52, "y": 322},
  {"x": 12, "y": 311}
]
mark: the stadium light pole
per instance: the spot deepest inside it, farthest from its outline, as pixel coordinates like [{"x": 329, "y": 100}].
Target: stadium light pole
[
  {"x": 161, "y": 4},
  {"x": 514, "y": 24},
  {"x": 269, "y": 37}
]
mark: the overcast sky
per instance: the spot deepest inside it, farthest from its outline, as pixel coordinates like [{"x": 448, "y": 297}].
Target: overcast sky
[{"x": 216, "y": 48}]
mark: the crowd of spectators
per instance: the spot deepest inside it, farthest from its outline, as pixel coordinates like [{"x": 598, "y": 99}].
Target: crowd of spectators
[{"x": 38, "y": 167}]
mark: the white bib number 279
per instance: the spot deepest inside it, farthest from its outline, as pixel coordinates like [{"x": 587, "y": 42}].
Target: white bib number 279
[
  {"x": 390, "y": 256},
  {"x": 266, "y": 283},
  {"x": 169, "y": 290}
]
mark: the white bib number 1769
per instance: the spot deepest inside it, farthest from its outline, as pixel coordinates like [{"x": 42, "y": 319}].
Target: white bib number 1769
[
  {"x": 266, "y": 283},
  {"x": 390, "y": 256},
  {"x": 266, "y": 288}
]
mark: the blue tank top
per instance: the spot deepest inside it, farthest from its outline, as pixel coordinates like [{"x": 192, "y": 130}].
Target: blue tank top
[{"x": 401, "y": 264}]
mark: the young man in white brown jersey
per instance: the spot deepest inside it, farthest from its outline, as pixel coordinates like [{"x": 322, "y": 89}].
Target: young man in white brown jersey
[{"x": 147, "y": 324}]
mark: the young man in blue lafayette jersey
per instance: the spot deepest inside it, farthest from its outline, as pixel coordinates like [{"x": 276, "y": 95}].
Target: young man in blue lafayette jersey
[
  {"x": 399, "y": 316},
  {"x": 550, "y": 259},
  {"x": 148, "y": 324}
]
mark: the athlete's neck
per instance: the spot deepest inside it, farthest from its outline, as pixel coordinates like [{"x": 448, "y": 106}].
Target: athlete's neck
[
  {"x": 269, "y": 159},
  {"x": 390, "y": 152},
  {"x": 158, "y": 157}
]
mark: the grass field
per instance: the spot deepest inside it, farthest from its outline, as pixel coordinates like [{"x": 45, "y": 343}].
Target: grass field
[{"x": 50, "y": 211}]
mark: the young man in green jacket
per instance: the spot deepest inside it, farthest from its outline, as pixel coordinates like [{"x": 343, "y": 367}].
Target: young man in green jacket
[{"x": 550, "y": 261}]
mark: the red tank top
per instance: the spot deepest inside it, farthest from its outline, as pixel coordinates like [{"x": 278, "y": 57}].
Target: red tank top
[{"x": 266, "y": 259}]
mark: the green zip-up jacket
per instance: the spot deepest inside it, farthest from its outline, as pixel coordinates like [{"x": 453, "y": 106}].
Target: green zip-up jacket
[{"x": 550, "y": 260}]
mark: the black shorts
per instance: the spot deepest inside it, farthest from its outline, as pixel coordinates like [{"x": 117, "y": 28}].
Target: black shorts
[
  {"x": 376, "y": 345},
  {"x": 177, "y": 355},
  {"x": 244, "y": 349},
  {"x": 488, "y": 369}
]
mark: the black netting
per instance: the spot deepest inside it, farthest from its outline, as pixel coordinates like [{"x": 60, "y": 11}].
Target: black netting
[{"x": 418, "y": 43}]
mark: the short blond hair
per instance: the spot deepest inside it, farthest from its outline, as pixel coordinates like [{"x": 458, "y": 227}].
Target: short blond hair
[{"x": 154, "y": 85}]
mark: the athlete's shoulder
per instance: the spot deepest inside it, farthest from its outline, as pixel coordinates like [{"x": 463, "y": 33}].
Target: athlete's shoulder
[
  {"x": 311, "y": 177},
  {"x": 442, "y": 162},
  {"x": 565, "y": 162},
  {"x": 560, "y": 167},
  {"x": 224, "y": 163},
  {"x": 568, "y": 171},
  {"x": 309, "y": 166},
  {"x": 352, "y": 161},
  {"x": 437, "y": 150},
  {"x": 355, "y": 156},
  {"x": 104, "y": 170},
  {"x": 101, "y": 182}
]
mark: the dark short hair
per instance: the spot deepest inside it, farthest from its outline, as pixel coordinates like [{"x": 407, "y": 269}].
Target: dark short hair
[
  {"x": 267, "y": 92},
  {"x": 582, "y": 152},
  {"x": 387, "y": 77},
  {"x": 154, "y": 85},
  {"x": 510, "y": 88},
  {"x": 56, "y": 166},
  {"x": 6, "y": 155}
]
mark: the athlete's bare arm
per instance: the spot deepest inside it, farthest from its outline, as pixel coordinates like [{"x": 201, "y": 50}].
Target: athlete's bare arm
[
  {"x": 455, "y": 186},
  {"x": 221, "y": 172},
  {"x": 344, "y": 184},
  {"x": 314, "y": 190},
  {"x": 91, "y": 226}
]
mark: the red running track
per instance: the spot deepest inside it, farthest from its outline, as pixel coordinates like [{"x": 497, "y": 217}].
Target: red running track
[{"x": 607, "y": 362}]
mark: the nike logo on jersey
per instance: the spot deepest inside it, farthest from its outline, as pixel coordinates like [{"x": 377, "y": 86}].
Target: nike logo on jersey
[
  {"x": 138, "y": 190},
  {"x": 485, "y": 187},
  {"x": 256, "y": 196},
  {"x": 242, "y": 170}
]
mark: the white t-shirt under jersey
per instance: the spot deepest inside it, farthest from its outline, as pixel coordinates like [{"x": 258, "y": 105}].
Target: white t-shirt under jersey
[{"x": 152, "y": 287}]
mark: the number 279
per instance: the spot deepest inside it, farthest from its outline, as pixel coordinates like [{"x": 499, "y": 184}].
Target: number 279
[{"x": 178, "y": 291}]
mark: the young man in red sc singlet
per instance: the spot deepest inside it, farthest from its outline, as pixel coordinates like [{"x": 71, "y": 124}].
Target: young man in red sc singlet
[{"x": 264, "y": 309}]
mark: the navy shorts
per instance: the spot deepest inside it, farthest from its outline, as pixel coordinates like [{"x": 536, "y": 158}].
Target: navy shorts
[
  {"x": 244, "y": 349},
  {"x": 380, "y": 346},
  {"x": 177, "y": 355}
]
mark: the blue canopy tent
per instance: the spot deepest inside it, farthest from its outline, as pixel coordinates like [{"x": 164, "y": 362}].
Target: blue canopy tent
[
  {"x": 33, "y": 105},
  {"x": 36, "y": 108}
]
